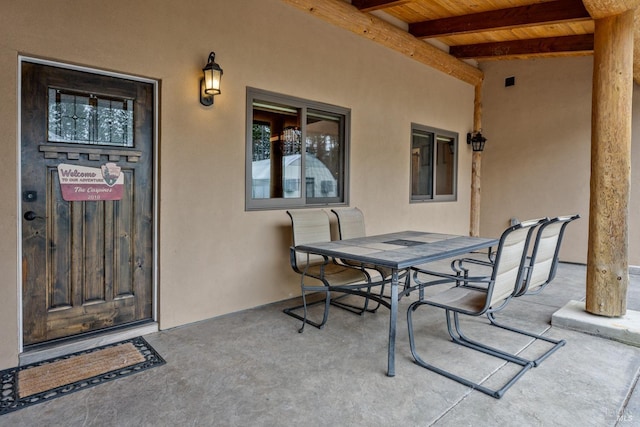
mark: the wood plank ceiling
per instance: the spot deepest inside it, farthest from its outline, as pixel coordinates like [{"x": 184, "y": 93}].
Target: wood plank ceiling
[
  {"x": 493, "y": 29},
  {"x": 453, "y": 36}
]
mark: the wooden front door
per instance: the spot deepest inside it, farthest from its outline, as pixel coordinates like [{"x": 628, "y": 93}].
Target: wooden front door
[{"x": 87, "y": 202}]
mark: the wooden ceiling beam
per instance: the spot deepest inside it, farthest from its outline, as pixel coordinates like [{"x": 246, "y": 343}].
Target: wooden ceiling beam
[
  {"x": 369, "y": 5},
  {"x": 346, "y": 16},
  {"x": 534, "y": 14},
  {"x": 530, "y": 47}
]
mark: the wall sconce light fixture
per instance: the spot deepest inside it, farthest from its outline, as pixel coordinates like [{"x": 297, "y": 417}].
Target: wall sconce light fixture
[
  {"x": 476, "y": 140},
  {"x": 210, "y": 82}
]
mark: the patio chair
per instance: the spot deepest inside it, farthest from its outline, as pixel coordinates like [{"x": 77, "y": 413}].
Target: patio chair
[
  {"x": 543, "y": 263},
  {"x": 477, "y": 296},
  {"x": 351, "y": 225},
  {"x": 540, "y": 270},
  {"x": 320, "y": 273}
]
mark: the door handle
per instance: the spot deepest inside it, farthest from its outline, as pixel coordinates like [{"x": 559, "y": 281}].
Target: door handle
[{"x": 31, "y": 215}]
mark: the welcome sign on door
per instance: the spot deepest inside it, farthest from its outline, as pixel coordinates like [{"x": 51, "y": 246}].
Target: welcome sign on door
[{"x": 81, "y": 183}]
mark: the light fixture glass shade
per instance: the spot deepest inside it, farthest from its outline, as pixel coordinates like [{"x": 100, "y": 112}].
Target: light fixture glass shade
[
  {"x": 477, "y": 141},
  {"x": 210, "y": 83},
  {"x": 212, "y": 77}
]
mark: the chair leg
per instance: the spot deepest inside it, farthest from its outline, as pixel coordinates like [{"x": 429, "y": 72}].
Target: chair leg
[
  {"x": 304, "y": 318},
  {"x": 420, "y": 361},
  {"x": 327, "y": 301},
  {"x": 356, "y": 309},
  {"x": 460, "y": 338},
  {"x": 556, "y": 343},
  {"x": 380, "y": 296}
]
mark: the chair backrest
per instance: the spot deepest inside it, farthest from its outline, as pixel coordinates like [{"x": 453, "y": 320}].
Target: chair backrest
[
  {"x": 309, "y": 226},
  {"x": 350, "y": 223},
  {"x": 510, "y": 260},
  {"x": 544, "y": 257}
]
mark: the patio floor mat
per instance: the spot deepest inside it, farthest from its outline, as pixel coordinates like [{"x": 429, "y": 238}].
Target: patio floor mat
[{"x": 27, "y": 385}]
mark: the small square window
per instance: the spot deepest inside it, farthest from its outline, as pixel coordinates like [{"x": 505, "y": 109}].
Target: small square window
[{"x": 434, "y": 164}]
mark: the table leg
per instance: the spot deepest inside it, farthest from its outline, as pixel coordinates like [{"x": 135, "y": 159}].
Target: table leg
[{"x": 393, "y": 317}]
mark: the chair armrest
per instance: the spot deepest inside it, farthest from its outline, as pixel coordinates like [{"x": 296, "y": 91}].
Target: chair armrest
[
  {"x": 311, "y": 269},
  {"x": 456, "y": 264},
  {"x": 448, "y": 278}
]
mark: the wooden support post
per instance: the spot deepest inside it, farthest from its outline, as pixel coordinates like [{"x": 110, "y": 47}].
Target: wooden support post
[
  {"x": 603, "y": 8},
  {"x": 636, "y": 46},
  {"x": 476, "y": 166},
  {"x": 607, "y": 258}
]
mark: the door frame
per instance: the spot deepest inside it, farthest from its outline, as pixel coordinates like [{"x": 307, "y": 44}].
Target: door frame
[{"x": 154, "y": 174}]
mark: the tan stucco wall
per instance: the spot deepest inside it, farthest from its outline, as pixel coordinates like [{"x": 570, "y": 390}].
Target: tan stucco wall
[
  {"x": 537, "y": 158},
  {"x": 215, "y": 258}
]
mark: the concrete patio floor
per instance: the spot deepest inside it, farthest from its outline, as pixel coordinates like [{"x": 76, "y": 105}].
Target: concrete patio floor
[{"x": 252, "y": 368}]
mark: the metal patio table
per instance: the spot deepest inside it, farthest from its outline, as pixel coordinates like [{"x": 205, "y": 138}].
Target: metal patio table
[{"x": 399, "y": 251}]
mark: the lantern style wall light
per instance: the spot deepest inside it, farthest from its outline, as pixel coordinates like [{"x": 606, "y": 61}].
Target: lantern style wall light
[
  {"x": 210, "y": 82},
  {"x": 476, "y": 140}
]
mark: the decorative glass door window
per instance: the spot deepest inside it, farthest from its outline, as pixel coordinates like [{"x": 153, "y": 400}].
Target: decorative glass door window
[{"x": 85, "y": 118}]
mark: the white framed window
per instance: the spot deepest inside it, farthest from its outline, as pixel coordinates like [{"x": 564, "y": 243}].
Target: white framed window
[
  {"x": 434, "y": 164},
  {"x": 297, "y": 152}
]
